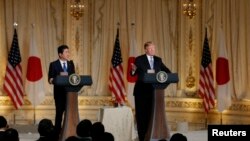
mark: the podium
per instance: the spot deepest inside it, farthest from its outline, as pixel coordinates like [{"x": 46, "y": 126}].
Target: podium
[
  {"x": 158, "y": 128},
  {"x": 73, "y": 84}
]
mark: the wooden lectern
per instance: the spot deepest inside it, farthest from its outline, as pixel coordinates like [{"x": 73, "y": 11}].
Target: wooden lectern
[
  {"x": 158, "y": 128},
  {"x": 73, "y": 84}
]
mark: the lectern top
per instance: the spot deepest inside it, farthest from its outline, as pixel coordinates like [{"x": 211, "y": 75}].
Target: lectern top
[
  {"x": 68, "y": 80},
  {"x": 160, "y": 77},
  {"x": 160, "y": 80}
]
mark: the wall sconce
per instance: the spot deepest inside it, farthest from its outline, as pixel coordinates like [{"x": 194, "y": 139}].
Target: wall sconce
[
  {"x": 189, "y": 8},
  {"x": 76, "y": 9}
]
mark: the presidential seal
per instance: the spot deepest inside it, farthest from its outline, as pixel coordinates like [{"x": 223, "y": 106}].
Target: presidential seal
[
  {"x": 161, "y": 76},
  {"x": 74, "y": 79}
]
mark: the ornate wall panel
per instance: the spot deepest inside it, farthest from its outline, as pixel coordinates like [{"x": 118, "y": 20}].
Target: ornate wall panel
[{"x": 178, "y": 110}]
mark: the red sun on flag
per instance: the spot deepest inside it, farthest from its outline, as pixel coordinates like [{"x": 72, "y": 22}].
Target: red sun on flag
[{"x": 34, "y": 70}]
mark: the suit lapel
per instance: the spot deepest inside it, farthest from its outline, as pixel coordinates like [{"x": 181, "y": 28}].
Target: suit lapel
[
  {"x": 58, "y": 65},
  {"x": 155, "y": 62},
  {"x": 69, "y": 66},
  {"x": 146, "y": 62}
]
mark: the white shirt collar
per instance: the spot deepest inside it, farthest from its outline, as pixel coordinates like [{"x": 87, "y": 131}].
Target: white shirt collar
[
  {"x": 149, "y": 57},
  {"x": 61, "y": 61}
]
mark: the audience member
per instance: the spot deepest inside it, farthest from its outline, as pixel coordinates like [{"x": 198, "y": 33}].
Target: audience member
[
  {"x": 106, "y": 136},
  {"x": 97, "y": 131},
  {"x": 3, "y": 126},
  {"x": 83, "y": 130},
  {"x": 86, "y": 131},
  {"x": 72, "y": 138},
  {"x": 46, "y": 130},
  {"x": 178, "y": 137},
  {"x": 11, "y": 134}
]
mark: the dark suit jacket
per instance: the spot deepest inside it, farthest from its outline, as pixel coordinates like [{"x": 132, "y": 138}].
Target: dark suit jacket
[
  {"x": 143, "y": 66},
  {"x": 55, "y": 68}
]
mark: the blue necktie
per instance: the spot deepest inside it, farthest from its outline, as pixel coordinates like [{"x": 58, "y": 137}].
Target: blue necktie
[
  {"x": 151, "y": 62},
  {"x": 64, "y": 67}
]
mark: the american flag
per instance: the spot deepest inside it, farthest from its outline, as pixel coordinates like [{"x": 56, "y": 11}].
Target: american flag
[
  {"x": 116, "y": 81},
  {"x": 13, "y": 83},
  {"x": 206, "y": 83}
]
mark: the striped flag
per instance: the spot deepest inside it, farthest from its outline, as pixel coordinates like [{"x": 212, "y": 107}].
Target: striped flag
[
  {"x": 222, "y": 75},
  {"x": 131, "y": 79},
  {"x": 13, "y": 83},
  {"x": 116, "y": 80},
  {"x": 206, "y": 82},
  {"x": 34, "y": 85}
]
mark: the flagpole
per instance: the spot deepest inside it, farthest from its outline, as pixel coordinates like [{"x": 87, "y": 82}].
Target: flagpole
[
  {"x": 221, "y": 120},
  {"x": 206, "y": 121},
  {"x": 34, "y": 107},
  {"x": 15, "y": 24},
  {"x": 117, "y": 104},
  {"x": 14, "y": 120}
]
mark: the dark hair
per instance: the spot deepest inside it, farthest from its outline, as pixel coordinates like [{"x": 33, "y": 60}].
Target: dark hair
[
  {"x": 107, "y": 136},
  {"x": 45, "y": 127},
  {"x": 83, "y": 128},
  {"x": 178, "y": 137},
  {"x": 11, "y": 134},
  {"x": 97, "y": 130},
  {"x": 61, "y": 48},
  {"x": 3, "y": 122},
  {"x": 147, "y": 44},
  {"x": 72, "y": 138}
]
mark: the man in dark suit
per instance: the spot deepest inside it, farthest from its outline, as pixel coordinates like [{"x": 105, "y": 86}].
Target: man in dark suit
[
  {"x": 143, "y": 92},
  {"x": 61, "y": 66}
]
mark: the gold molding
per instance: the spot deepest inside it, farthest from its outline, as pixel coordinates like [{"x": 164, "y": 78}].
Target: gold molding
[
  {"x": 177, "y": 110},
  {"x": 192, "y": 104}
]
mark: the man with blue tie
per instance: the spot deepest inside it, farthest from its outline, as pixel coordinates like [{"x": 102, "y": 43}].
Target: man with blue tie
[
  {"x": 61, "y": 66},
  {"x": 144, "y": 92}
]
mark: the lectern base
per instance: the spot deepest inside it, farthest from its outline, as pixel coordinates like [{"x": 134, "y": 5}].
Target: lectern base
[
  {"x": 158, "y": 127},
  {"x": 71, "y": 115},
  {"x": 71, "y": 118}
]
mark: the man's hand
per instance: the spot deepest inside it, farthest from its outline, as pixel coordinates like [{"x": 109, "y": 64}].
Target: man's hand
[
  {"x": 51, "y": 81},
  {"x": 133, "y": 66}
]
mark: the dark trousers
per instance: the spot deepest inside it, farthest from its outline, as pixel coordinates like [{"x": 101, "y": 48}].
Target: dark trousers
[
  {"x": 143, "y": 110},
  {"x": 60, "y": 104}
]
